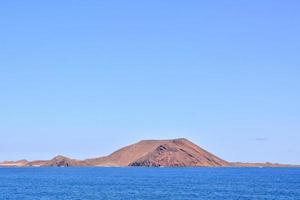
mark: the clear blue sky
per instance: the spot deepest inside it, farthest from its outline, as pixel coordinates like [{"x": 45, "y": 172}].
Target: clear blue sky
[{"x": 83, "y": 78}]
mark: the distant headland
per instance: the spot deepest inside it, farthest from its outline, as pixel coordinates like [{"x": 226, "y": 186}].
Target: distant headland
[{"x": 147, "y": 153}]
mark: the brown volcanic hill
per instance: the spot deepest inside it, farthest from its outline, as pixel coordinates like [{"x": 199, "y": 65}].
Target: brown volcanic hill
[
  {"x": 177, "y": 152},
  {"x": 57, "y": 161}
]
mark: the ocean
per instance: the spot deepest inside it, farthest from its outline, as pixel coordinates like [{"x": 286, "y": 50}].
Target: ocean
[{"x": 149, "y": 183}]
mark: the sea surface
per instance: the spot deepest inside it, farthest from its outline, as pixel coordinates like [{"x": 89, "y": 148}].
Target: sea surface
[{"x": 149, "y": 183}]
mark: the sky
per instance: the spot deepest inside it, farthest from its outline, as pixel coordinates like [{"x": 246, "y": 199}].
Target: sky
[{"x": 84, "y": 78}]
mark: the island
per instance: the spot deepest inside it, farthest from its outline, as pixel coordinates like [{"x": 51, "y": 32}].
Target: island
[{"x": 147, "y": 153}]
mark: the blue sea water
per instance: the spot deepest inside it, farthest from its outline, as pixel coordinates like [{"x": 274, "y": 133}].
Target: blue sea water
[{"x": 149, "y": 183}]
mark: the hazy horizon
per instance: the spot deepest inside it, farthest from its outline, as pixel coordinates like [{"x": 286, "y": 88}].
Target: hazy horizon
[{"x": 84, "y": 78}]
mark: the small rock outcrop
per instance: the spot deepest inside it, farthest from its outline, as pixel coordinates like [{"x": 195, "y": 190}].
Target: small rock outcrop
[{"x": 57, "y": 161}]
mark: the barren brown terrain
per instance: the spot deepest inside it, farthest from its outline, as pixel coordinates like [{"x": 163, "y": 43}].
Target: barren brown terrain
[
  {"x": 177, "y": 152},
  {"x": 147, "y": 153}
]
